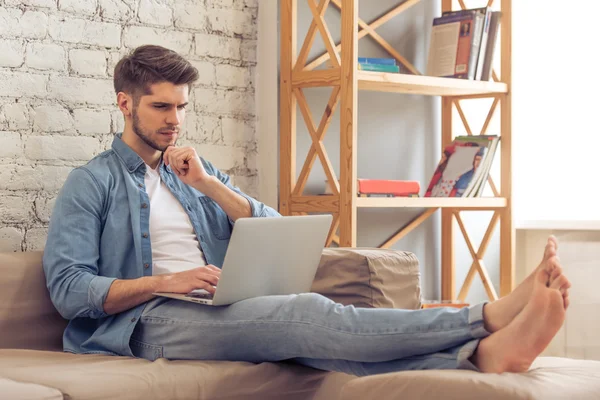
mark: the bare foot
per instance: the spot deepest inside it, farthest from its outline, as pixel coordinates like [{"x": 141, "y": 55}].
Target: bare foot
[
  {"x": 515, "y": 347},
  {"x": 500, "y": 313}
]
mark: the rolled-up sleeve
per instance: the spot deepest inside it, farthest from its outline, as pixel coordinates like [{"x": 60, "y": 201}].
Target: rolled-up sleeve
[
  {"x": 72, "y": 250},
  {"x": 258, "y": 209}
]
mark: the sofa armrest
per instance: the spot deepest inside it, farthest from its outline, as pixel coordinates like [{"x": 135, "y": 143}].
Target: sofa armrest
[{"x": 369, "y": 277}]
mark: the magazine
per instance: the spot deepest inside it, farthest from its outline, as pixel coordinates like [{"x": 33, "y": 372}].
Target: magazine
[{"x": 463, "y": 167}]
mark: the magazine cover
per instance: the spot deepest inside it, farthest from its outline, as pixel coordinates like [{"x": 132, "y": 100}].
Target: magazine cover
[{"x": 457, "y": 168}]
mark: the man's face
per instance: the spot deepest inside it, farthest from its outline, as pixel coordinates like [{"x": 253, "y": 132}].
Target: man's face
[
  {"x": 157, "y": 117},
  {"x": 476, "y": 162}
]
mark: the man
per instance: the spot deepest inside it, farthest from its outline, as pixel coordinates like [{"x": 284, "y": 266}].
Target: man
[{"x": 147, "y": 216}]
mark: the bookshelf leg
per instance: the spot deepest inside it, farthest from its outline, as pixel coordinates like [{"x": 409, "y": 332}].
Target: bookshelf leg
[
  {"x": 507, "y": 253},
  {"x": 507, "y": 232},
  {"x": 348, "y": 120},
  {"x": 448, "y": 274},
  {"x": 448, "y": 270},
  {"x": 287, "y": 127}
]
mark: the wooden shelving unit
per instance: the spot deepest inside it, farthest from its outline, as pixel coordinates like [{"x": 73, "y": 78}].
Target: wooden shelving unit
[{"x": 346, "y": 80}]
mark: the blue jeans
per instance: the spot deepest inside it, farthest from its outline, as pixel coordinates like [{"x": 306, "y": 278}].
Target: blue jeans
[{"x": 311, "y": 330}]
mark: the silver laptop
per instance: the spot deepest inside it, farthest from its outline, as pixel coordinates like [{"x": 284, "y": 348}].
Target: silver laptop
[{"x": 267, "y": 256}]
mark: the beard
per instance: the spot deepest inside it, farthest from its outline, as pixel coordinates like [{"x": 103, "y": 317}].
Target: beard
[{"x": 146, "y": 135}]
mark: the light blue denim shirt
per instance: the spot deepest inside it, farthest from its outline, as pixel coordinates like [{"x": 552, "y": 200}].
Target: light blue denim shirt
[{"x": 99, "y": 232}]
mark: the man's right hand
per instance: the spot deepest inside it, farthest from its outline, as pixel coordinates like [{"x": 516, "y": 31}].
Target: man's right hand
[
  {"x": 127, "y": 293},
  {"x": 206, "y": 278}
]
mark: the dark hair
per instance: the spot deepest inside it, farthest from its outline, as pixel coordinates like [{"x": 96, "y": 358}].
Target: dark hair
[{"x": 150, "y": 64}]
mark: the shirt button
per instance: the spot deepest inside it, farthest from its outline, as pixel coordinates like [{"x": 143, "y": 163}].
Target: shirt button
[
  {"x": 146, "y": 265},
  {"x": 144, "y": 205},
  {"x": 132, "y": 319},
  {"x": 140, "y": 185},
  {"x": 144, "y": 235},
  {"x": 189, "y": 208}
]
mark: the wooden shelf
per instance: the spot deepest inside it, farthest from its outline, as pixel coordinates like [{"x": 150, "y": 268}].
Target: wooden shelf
[
  {"x": 482, "y": 203},
  {"x": 426, "y": 85},
  {"x": 345, "y": 80}
]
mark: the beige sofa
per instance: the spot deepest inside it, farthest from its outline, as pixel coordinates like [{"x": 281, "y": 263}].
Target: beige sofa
[{"x": 32, "y": 365}]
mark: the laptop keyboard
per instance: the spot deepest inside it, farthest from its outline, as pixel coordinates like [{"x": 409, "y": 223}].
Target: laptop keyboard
[{"x": 199, "y": 295}]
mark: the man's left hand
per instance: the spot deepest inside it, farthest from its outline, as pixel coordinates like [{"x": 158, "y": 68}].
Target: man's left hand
[{"x": 186, "y": 164}]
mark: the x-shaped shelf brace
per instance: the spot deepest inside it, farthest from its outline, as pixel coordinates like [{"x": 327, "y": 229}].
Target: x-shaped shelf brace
[
  {"x": 478, "y": 265},
  {"x": 366, "y": 29},
  {"x": 317, "y": 135}
]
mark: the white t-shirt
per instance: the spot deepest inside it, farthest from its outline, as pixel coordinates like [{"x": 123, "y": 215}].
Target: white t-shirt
[{"x": 175, "y": 247}]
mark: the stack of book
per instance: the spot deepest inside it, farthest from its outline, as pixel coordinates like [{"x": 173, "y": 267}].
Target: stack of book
[
  {"x": 462, "y": 44},
  {"x": 378, "y": 64},
  {"x": 464, "y": 167}
]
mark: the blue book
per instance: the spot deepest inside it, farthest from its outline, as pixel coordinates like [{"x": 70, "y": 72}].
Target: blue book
[
  {"x": 374, "y": 60},
  {"x": 378, "y": 67}
]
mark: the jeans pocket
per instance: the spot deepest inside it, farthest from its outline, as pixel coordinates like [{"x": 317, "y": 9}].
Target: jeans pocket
[
  {"x": 217, "y": 218},
  {"x": 145, "y": 350}
]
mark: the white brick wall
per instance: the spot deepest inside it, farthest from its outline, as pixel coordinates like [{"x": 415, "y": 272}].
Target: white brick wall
[
  {"x": 12, "y": 145},
  {"x": 12, "y": 51},
  {"x": 57, "y": 105},
  {"x": 88, "y": 62},
  {"x": 46, "y": 56},
  {"x": 52, "y": 118}
]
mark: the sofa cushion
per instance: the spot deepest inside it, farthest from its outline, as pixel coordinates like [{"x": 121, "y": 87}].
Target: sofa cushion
[
  {"x": 548, "y": 378},
  {"x": 27, "y": 317},
  {"x": 369, "y": 277},
  {"x": 110, "y": 377},
  {"x": 10, "y": 389}
]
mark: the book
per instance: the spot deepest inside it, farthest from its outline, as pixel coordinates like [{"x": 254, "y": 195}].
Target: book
[
  {"x": 387, "y": 195},
  {"x": 487, "y": 167},
  {"x": 486, "y": 13},
  {"x": 375, "y": 60},
  {"x": 487, "y": 17},
  {"x": 378, "y": 67},
  {"x": 486, "y": 69},
  {"x": 489, "y": 39},
  {"x": 463, "y": 165},
  {"x": 454, "y": 45},
  {"x": 388, "y": 186},
  {"x": 382, "y": 188},
  {"x": 475, "y": 187}
]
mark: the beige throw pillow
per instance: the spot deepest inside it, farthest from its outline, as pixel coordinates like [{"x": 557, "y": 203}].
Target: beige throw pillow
[{"x": 369, "y": 277}]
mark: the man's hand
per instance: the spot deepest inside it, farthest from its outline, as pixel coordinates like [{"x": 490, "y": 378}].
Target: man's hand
[
  {"x": 127, "y": 293},
  {"x": 184, "y": 282},
  {"x": 188, "y": 167},
  {"x": 186, "y": 164}
]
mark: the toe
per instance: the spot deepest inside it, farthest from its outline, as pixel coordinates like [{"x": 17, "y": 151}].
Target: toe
[
  {"x": 542, "y": 276},
  {"x": 556, "y": 271},
  {"x": 549, "y": 250},
  {"x": 553, "y": 268},
  {"x": 552, "y": 239},
  {"x": 559, "y": 282}
]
